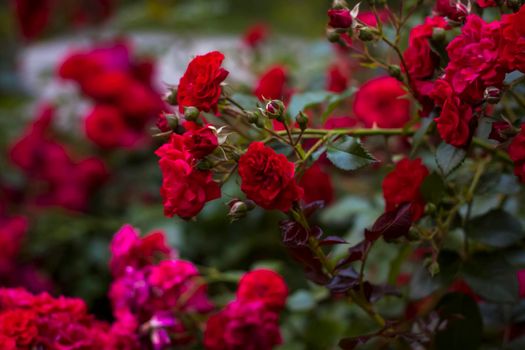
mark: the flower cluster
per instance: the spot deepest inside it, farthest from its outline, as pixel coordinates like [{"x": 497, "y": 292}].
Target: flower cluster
[
  {"x": 185, "y": 187},
  {"x": 40, "y": 321},
  {"x": 121, "y": 89},
  {"x": 66, "y": 182},
  {"x": 251, "y": 321},
  {"x": 153, "y": 290}
]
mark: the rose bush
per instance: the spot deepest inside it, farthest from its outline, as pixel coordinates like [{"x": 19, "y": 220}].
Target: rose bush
[{"x": 360, "y": 193}]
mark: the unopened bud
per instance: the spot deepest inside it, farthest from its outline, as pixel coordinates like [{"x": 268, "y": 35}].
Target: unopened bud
[
  {"x": 239, "y": 208},
  {"x": 366, "y": 34},
  {"x": 171, "y": 97},
  {"x": 492, "y": 95},
  {"x": 251, "y": 117},
  {"x": 302, "y": 120},
  {"x": 438, "y": 35},
  {"x": 395, "y": 72},
  {"x": 332, "y": 35},
  {"x": 339, "y": 18},
  {"x": 191, "y": 113},
  {"x": 274, "y": 109}
]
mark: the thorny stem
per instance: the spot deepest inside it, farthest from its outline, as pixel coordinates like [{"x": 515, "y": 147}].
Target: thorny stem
[{"x": 358, "y": 298}]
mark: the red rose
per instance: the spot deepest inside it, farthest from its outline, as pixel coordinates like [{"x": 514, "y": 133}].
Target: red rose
[
  {"x": 513, "y": 32},
  {"x": 268, "y": 178},
  {"x": 336, "y": 80},
  {"x": 32, "y": 17},
  {"x": 475, "y": 59},
  {"x": 381, "y": 102},
  {"x": 486, "y": 3},
  {"x": 339, "y": 18},
  {"x": 263, "y": 285},
  {"x": 200, "y": 86},
  {"x": 272, "y": 84},
  {"x": 241, "y": 325},
  {"x": 402, "y": 185},
  {"x": 185, "y": 189},
  {"x": 420, "y": 59},
  {"x": 199, "y": 141},
  {"x": 317, "y": 185},
  {"x": 20, "y": 325},
  {"x": 452, "y": 9},
  {"x": 517, "y": 153},
  {"x": 453, "y": 123},
  {"x": 255, "y": 35},
  {"x": 105, "y": 126}
]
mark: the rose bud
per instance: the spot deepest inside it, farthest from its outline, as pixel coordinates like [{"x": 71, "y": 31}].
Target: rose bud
[
  {"x": 492, "y": 95},
  {"x": 438, "y": 35},
  {"x": 332, "y": 35},
  {"x": 239, "y": 208},
  {"x": 274, "y": 109},
  {"x": 191, "y": 113},
  {"x": 171, "y": 97},
  {"x": 366, "y": 34},
  {"x": 302, "y": 120},
  {"x": 340, "y": 19},
  {"x": 395, "y": 72}
]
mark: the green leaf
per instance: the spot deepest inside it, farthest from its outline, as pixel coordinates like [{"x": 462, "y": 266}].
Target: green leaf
[
  {"x": 433, "y": 188},
  {"x": 493, "y": 278},
  {"x": 300, "y": 102},
  {"x": 496, "y": 228},
  {"x": 248, "y": 102},
  {"x": 419, "y": 136},
  {"x": 449, "y": 158},
  {"x": 464, "y": 326},
  {"x": 349, "y": 154}
]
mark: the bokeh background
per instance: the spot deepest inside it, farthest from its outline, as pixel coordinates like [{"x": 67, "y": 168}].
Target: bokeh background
[{"x": 64, "y": 248}]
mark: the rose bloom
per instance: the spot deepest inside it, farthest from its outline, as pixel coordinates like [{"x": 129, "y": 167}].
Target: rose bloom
[
  {"x": 268, "y": 178},
  {"x": 19, "y": 325},
  {"x": 453, "y": 123},
  {"x": 32, "y": 17},
  {"x": 452, "y": 9},
  {"x": 517, "y": 153},
  {"x": 337, "y": 80},
  {"x": 486, "y": 3},
  {"x": 339, "y": 18},
  {"x": 381, "y": 102},
  {"x": 419, "y": 57},
  {"x": 402, "y": 185},
  {"x": 200, "y": 86},
  {"x": 475, "y": 59},
  {"x": 255, "y": 35},
  {"x": 263, "y": 285},
  {"x": 317, "y": 185},
  {"x": 200, "y": 141},
  {"x": 513, "y": 32},
  {"x": 242, "y": 325},
  {"x": 272, "y": 84},
  {"x": 185, "y": 189},
  {"x": 105, "y": 126}
]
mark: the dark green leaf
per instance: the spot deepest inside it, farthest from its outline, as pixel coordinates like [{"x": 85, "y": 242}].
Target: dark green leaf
[
  {"x": 419, "y": 136},
  {"x": 433, "y": 188},
  {"x": 449, "y": 158},
  {"x": 464, "y": 325},
  {"x": 493, "y": 278},
  {"x": 349, "y": 154},
  {"x": 496, "y": 228}
]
